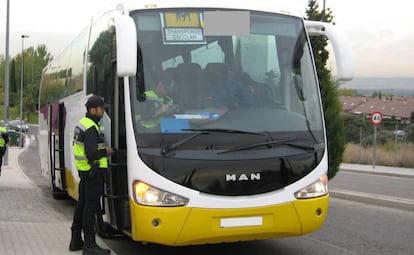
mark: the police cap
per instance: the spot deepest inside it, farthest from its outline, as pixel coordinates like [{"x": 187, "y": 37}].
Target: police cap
[{"x": 94, "y": 101}]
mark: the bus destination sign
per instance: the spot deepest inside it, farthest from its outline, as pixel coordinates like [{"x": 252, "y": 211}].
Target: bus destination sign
[{"x": 182, "y": 28}]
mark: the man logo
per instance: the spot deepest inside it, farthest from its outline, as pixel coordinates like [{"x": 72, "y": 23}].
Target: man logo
[{"x": 243, "y": 177}]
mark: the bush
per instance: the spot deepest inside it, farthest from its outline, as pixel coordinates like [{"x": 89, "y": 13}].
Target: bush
[
  {"x": 354, "y": 124},
  {"x": 400, "y": 155}
]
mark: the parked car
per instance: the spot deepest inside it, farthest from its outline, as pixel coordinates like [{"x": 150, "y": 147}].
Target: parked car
[
  {"x": 399, "y": 133},
  {"x": 4, "y": 124},
  {"x": 18, "y": 125}
]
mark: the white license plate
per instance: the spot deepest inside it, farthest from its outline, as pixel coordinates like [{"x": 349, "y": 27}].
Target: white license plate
[{"x": 241, "y": 222}]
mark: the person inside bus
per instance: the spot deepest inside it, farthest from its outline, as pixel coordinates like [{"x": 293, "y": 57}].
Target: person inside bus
[
  {"x": 158, "y": 103},
  {"x": 91, "y": 160},
  {"x": 4, "y": 140},
  {"x": 231, "y": 94}
]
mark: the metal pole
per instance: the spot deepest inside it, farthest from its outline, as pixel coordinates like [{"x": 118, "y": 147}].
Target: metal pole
[
  {"x": 6, "y": 67},
  {"x": 395, "y": 144},
  {"x": 21, "y": 91},
  {"x": 32, "y": 62},
  {"x": 6, "y": 78},
  {"x": 374, "y": 156},
  {"x": 360, "y": 144}
]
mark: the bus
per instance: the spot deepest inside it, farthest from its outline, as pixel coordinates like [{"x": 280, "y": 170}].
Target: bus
[{"x": 248, "y": 164}]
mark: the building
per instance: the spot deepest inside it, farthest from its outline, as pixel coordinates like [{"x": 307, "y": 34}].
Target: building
[{"x": 398, "y": 107}]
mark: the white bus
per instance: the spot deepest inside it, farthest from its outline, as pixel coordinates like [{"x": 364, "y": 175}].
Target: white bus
[{"x": 242, "y": 155}]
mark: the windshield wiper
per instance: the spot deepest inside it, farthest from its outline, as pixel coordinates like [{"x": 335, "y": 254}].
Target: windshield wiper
[
  {"x": 203, "y": 131},
  {"x": 270, "y": 144},
  {"x": 177, "y": 144}
]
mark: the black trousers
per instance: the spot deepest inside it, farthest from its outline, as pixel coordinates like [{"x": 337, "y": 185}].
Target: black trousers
[
  {"x": 90, "y": 191},
  {"x": 2, "y": 152}
]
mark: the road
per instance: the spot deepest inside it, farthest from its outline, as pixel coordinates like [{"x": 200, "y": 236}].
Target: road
[{"x": 350, "y": 228}]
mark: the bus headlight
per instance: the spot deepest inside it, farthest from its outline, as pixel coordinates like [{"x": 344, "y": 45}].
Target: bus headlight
[
  {"x": 315, "y": 189},
  {"x": 145, "y": 194}
]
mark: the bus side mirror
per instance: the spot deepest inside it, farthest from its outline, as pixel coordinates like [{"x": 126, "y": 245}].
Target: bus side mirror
[
  {"x": 126, "y": 45},
  {"x": 340, "y": 45}
]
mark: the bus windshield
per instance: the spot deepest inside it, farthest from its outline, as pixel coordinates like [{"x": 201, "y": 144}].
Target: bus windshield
[{"x": 209, "y": 69}]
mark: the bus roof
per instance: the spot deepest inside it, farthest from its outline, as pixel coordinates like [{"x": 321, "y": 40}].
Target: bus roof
[
  {"x": 284, "y": 7},
  {"x": 125, "y": 6}
]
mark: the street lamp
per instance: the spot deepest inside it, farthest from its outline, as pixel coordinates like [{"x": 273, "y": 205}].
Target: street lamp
[{"x": 21, "y": 91}]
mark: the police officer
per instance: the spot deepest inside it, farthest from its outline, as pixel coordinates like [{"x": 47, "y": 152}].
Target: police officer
[
  {"x": 91, "y": 161},
  {"x": 4, "y": 140}
]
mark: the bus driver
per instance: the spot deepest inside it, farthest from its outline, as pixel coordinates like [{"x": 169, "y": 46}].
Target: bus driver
[{"x": 158, "y": 104}]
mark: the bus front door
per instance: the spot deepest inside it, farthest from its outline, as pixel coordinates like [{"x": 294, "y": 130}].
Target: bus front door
[{"x": 56, "y": 150}]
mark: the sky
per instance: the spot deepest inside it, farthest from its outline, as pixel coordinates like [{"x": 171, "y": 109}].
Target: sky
[{"x": 381, "y": 32}]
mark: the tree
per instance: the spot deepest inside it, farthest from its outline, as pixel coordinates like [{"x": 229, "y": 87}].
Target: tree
[
  {"x": 348, "y": 92},
  {"x": 2, "y": 63},
  {"x": 410, "y": 136},
  {"x": 354, "y": 124},
  {"x": 34, "y": 62},
  {"x": 329, "y": 92},
  {"x": 39, "y": 58},
  {"x": 13, "y": 81},
  {"x": 13, "y": 85}
]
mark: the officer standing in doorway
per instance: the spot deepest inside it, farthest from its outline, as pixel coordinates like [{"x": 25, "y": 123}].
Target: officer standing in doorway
[{"x": 91, "y": 160}]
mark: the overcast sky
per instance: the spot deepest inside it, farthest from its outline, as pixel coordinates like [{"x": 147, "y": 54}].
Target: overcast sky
[{"x": 381, "y": 32}]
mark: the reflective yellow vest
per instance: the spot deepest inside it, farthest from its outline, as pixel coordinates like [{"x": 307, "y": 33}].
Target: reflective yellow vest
[
  {"x": 81, "y": 161},
  {"x": 151, "y": 95},
  {"x": 2, "y": 141}
]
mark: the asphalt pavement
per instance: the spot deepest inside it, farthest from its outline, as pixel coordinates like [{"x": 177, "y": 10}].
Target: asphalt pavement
[{"x": 37, "y": 229}]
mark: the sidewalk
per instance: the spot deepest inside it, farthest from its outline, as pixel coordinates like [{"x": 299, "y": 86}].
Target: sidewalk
[
  {"x": 382, "y": 170},
  {"x": 28, "y": 225}
]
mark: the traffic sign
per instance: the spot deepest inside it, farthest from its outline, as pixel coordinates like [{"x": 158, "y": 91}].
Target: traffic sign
[{"x": 376, "y": 118}]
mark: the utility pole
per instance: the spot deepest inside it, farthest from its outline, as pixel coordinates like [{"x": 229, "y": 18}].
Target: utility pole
[
  {"x": 323, "y": 10},
  {"x": 6, "y": 67},
  {"x": 6, "y": 78},
  {"x": 21, "y": 92}
]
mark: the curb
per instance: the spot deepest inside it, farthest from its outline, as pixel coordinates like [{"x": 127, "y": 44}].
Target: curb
[{"x": 392, "y": 202}]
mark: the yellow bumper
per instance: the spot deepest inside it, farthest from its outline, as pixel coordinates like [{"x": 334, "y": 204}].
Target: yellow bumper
[{"x": 177, "y": 226}]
